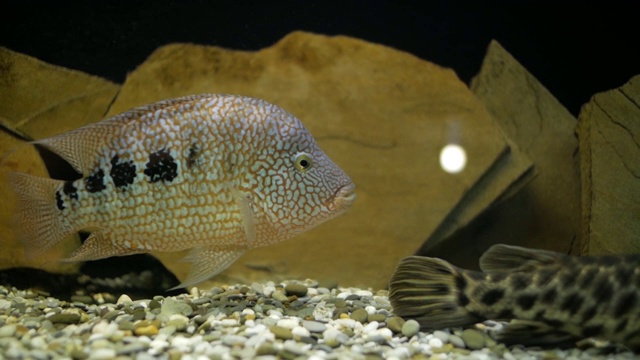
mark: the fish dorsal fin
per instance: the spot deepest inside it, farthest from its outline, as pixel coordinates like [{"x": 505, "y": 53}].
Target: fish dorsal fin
[
  {"x": 501, "y": 257},
  {"x": 78, "y": 147}
]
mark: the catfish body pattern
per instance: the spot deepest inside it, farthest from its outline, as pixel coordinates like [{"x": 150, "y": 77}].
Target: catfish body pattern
[
  {"x": 217, "y": 174},
  {"x": 553, "y": 298}
]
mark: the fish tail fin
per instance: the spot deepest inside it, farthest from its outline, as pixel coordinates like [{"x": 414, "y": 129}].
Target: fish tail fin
[
  {"x": 430, "y": 291},
  {"x": 39, "y": 222}
]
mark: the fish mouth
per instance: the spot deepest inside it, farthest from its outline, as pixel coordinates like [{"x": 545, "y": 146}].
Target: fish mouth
[{"x": 345, "y": 196}]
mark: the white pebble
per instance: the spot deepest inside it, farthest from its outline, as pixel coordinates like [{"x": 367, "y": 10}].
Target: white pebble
[
  {"x": 100, "y": 354},
  {"x": 229, "y": 322},
  {"x": 435, "y": 342},
  {"x": 442, "y": 335},
  {"x": 330, "y": 334},
  {"x": 248, "y": 311},
  {"x": 299, "y": 332},
  {"x": 124, "y": 299},
  {"x": 268, "y": 290},
  {"x": 370, "y": 309},
  {"x": 311, "y": 292},
  {"x": 343, "y": 295},
  {"x": 457, "y": 341},
  {"x": 288, "y": 323},
  {"x": 370, "y": 328},
  {"x": 364, "y": 293},
  {"x": 5, "y": 304},
  {"x": 349, "y": 323},
  {"x": 257, "y": 329}
]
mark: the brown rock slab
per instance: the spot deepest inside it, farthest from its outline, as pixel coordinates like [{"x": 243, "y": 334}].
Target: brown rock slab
[
  {"x": 38, "y": 100},
  {"x": 609, "y": 132},
  {"x": 546, "y": 212},
  {"x": 381, "y": 114}
]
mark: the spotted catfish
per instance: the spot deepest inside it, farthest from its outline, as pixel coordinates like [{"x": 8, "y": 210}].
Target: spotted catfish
[
  {"x": 555, "y": 299},
  {"x": 217, "y": 174}
]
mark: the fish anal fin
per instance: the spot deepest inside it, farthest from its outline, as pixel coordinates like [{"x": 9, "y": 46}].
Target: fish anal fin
[
  {"x": 534, "y": 333},
  {"x": 208, "y": 262},
  {"x": 97, "y": 247},
  {"x": 501, "y": 257},
  {"x": 427, "y": 290}
]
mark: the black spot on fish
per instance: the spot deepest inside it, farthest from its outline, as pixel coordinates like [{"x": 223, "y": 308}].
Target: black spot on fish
[
  {"x": 194, "y": 151},
  {"x": 593, "y": 330},
  {"x": 497, "y": 276},
  {"x": 603, "y": 289},
  {"x": 123, "y": 173},
  {"x": 70, "y": 190},
  {"x": 627, "y": 302},
  {"x": 632, "y": 335},
  {"x": 95, "y": 182},
  {"x": 161, "y": 166},
  {"x": 505, "y": 314},
  {"x": 567, "y": 278},
  {"x": 572, "y": 303},
  {"x": 587, "y": 276},
  {"x": 624, "y": 275},
  {"x": 463, "y": 300},
  {"x": 492, "y": 296},
  {"x": 589, "y": 314},
  {"x": 519, "y": 282},
  {"x": 553, "y": 322},
  {"x": 549, "y": 296},
  {"x": 526, "y": 301},
  {"x": 544, "y": 276},
  {"x": 621, "y": 325},
  {"x": 59, "y": 201},
  {"x": 461, "y": 284}
]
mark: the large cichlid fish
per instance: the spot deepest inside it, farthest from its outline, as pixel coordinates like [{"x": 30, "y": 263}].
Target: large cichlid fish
[
  {"x": 555, "y": 299},
  {"x": 217, "y": 174}
]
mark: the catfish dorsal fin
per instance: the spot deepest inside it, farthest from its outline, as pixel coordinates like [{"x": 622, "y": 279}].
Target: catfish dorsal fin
[
  {"x": 501, "y": 257},
  {"x": 78, "y": 147}
]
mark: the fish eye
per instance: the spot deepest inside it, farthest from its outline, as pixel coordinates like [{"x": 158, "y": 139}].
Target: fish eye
[{"x": 303, "y": 162}]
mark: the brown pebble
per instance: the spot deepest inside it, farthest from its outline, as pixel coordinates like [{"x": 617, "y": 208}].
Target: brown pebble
[
  {"x": 395, "y": 324},
  {"x": 281, "y": 333},
  {"x": 64, "y": 318},
  {"x": 146, "y": 330},
  {"x": 360, "y": 315},
  {"x": 298, "y": 290}
]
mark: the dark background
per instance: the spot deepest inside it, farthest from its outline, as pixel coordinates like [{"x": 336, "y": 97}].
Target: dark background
[{"x": 574, "y": 48}]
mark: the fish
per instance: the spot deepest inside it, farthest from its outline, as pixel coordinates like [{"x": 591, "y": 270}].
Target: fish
[
  {"x": 215, "y": 174},
  {"x": 553, "y": 299}
]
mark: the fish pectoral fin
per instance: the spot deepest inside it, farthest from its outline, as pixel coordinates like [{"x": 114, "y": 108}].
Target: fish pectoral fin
[
  {"x": 248, "y": 220},
  {"x": 208, "y": 262},
  {"x": 535, "y": 333},
  {"x": 501, "y": 257},
  {"x": 97, "y": 247}
]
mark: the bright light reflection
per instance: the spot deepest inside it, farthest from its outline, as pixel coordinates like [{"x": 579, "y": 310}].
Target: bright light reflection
[{"x": 453, "y": 158}]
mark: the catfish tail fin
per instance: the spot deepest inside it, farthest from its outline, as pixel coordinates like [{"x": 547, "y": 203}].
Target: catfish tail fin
[
  {"x": 430, "y": 291},
  {"x": 38, "y": 218}
]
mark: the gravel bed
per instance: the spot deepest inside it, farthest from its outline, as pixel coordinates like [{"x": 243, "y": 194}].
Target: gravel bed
[{"x": 290, "y": 320}]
